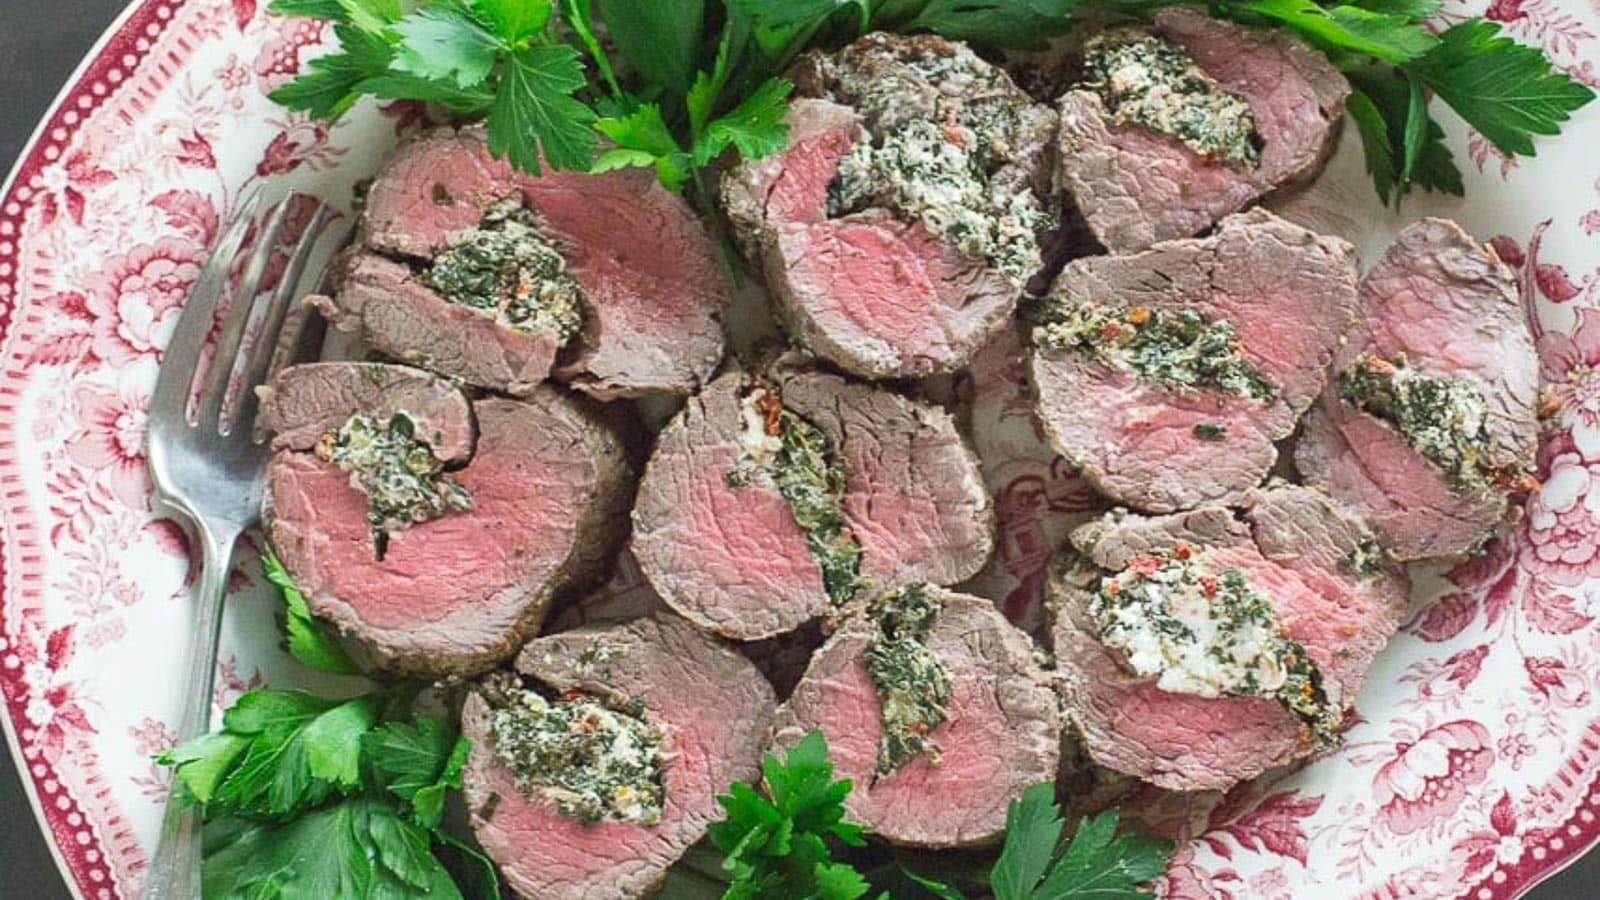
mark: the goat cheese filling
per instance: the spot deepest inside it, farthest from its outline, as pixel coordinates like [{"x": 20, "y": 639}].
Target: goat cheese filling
[
  {"x": 508, "y": 269},
  {"x": 1151, "y": 82},
  {"x": 941, "y": 169},
  {"x": 1180, "y": 349},
  {"x": 403, "y": 478},
  {"x": 593, "y": 762},
  {"x": 782, "y": 450},
  {"x": 913, "y": 686},
  {"x": 1444, "y": 419},
  {"x": 1202, "y": 629}
]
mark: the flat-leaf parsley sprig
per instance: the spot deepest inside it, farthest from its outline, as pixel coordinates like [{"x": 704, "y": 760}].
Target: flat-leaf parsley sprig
[{"x": 1508, "y": 91}]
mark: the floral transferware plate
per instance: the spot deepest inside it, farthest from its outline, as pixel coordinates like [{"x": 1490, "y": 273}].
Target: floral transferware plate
[{"x": 1471, "y": 773}]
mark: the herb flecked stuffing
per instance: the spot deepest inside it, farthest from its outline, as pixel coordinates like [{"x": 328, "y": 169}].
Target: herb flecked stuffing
[
  {"x": 508, "y": 269},
  {"x": 797, "y": 459},
  {"x": 1152, "y": 82},
  {"x": 403, "y": 478},
  {"x": 1205, "y": 629},
  {"x": 944, "y": 170},
  {"x": 1444, "y": 419},
  {"x": 913, "y": 685},
  {"x": 1179, "y": 349},
  {"x": 592, "y": 761}
]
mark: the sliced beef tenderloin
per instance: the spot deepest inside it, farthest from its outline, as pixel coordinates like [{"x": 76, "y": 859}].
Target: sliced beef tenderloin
[
  {"x": 999, "y": 730},
  {"x": 305, "y": 402},
  {"x": 546, "y": 489},
  {"x": 898, "y": 229},
  {"x": 1168, "y": 375},
  {"x": 718, "y": 524},
  {"x": 390, "y": 308},
  {"x": 1135, "y": 186},
  {"x": 627, "y": 594},
  {"x": 1174, "y": 711},
  {"x": 1429, "y": 423},
  {"x": 434, "y": 185},
  {"x": 650, "y": 309},
  {"x": 710, "y": 710}
]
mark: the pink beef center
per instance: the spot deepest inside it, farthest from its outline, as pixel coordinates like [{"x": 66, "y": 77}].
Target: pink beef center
[
  {"x": 634, "y": 285},
  {"x": 1318, "y": 621},
  {"x": 433, "y": 188},
  {"x": 554, "y": 851},
  {"x": 800, "y": 191},
  {"x": 746, "y": 539},
  {"x": 973, "y": 760},
  {"x": 880, "y": 281},
  {"x": 519, "y": 531}
]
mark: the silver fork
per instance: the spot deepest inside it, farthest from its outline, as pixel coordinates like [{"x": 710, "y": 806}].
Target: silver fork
[{"x": 209, "y": 470}]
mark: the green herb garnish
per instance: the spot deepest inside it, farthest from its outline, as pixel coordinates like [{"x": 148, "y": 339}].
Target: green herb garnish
[
  {"x": 780, "y": 842},
  {"x": 309, "y": 797},
  {"x": 1177, "y": 348},
  {"x": 913, "y": 686},
  {"x": 307, "y": 638}
]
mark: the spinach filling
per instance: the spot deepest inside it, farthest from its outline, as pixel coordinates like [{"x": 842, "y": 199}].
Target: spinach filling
[
  {"x": 941, "y": 170},
  {"x": 403, "y": 478},
  {"x": 506, "y": 268},
  {"x": 913, "y": 686},
  {"x": 592, "y": 761},
  {"x": 1153, "y": 83},
  {"x": 1179, "y": 349},
  {"x": 796, "y": 458},
  {"x": 1205, "y": 630},
  {"x": 1444, "y": 419}
]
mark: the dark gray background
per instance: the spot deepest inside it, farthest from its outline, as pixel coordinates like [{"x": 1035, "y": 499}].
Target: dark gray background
[{"x": 41, "y": 42}]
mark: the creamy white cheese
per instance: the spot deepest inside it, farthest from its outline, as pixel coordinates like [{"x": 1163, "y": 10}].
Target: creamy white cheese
[
  {"x": 757, "y": 446},
  {"x": 1182, "y": 623}
]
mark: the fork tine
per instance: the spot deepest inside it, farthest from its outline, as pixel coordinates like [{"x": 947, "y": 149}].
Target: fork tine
[
  {"x": 264, "y": 350},
  {"x": 226, "y": 354},
  {"x": 170, "y": 400}
]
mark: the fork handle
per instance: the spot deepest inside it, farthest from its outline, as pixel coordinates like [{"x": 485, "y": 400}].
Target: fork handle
[{"x": 175, "y": 868}]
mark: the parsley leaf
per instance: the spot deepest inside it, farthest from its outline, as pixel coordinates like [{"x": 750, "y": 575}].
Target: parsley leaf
[
  {"x": 642, "y": 138},
  {"x": 1021, "y": 24},
  {"x": 515, "y": 21},
  {"x": 779, "y": 843},
  {"x": 755, "y": 126},
  {"x": 790, "y": 13},
  {"x": 1101, "y": 861},
  {"x": 418, "y": 762},
  {"x": 446, "y": 41},
  {"x": 259, "y": 761},
  {"x": 356, "y": 848},
  {"x": 658, "y": 39},
  {"x": 1382, "y": 104},
  {"x": 1374, "y": 142},
  {"x": 535, "y": 114},
  {"x": 1033, "y": 829},
  {"x": 1506, "y": 90},
  {"x": 1387, "y": 37},
  {"x": 309, "y": 639},
  {"x": 331, "y": 10},
  {"x": 372, "y": 15}
]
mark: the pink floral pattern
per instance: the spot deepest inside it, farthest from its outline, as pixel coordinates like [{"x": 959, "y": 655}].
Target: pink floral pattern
[{"x": 1472, "y": 769}]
